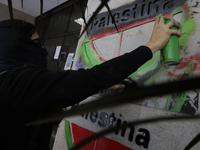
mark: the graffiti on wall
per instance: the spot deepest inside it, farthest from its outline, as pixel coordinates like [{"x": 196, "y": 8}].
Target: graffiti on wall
[
  {"x": 135, "y": 135},
  {"x": 128, "y": 18},
  {"x": 132, "y": 14}
]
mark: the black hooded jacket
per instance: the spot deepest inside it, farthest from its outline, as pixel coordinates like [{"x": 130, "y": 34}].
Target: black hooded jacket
[{"x": 28, "y": 94}]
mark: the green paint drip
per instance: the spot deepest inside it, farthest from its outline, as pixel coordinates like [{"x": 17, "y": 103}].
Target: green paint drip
[
  {"x": 176, "y": 105},
  {"x": 189, "y": 68},
  {"x": 166, "y": 105},
  {"x": 68, "y": 135},
  {"x": 181, "y": 75},
  {"x": 179, "y": 103}
]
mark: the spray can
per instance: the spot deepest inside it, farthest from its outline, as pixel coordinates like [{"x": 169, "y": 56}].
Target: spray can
[{"x": 169, "y": 54}]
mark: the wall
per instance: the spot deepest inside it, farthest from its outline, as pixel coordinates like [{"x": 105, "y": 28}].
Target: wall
[
  {"x": 4, "y": 14},
  {"x": 135, "y": 20}
]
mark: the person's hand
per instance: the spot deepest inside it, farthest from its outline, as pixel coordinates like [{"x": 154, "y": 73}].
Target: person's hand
[{"x": 162, "y": 32}]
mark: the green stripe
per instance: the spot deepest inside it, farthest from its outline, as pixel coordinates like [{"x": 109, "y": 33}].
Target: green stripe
[{"x": 68, "y": 135}]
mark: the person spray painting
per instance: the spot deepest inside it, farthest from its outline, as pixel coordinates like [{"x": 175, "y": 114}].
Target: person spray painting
[{"x": 29, "y": 91}]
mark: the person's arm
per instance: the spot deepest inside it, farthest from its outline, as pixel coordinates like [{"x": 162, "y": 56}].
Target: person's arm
[{"x": 33, "y": 88}]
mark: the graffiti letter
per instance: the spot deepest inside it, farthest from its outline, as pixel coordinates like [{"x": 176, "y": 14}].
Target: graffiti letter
[
  {"x": 130, "y": 137},
  {"x": 86, "y": 115},
  {"x": 136, "y": 11},
  {"x": 102, "y": 22},
  {"x": 118, "y": 124},
  {"x": 111, "y": 120},
  {"x": 96, "y": 20},
  {"x": 168, "y": 4},
  {"x": 93, "y": 116},
  {"x": 103, "y": 116},
  {"x": 125, "y": 14},
  {"x": 116, "y": 17},
  {"x": 143, "y": 140},
  {"x": 123, "y": 130}
]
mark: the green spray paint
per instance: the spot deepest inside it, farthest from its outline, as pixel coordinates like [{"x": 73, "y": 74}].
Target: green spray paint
[
  {"x": 176, "y": 105},
  {"x": 68, "y": 135},
  {"x": 179, "y": 103},
  {"x": 189, "y": 68},
  {"x": 166, "y": 105},
  {"x": 88, "y": 54}
]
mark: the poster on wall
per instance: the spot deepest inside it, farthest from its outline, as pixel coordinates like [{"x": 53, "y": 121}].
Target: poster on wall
[
  {"x": 57, "y": 52},
  {"x": 69, "y": 61}
]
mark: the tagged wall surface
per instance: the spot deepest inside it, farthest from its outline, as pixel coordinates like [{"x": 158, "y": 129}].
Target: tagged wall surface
[{"x": 135, "y": 20}]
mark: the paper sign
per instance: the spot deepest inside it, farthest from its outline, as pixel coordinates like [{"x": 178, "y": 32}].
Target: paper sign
[
  {"x": 57, "y": 53},
  {"x": 69, "y": 61}
]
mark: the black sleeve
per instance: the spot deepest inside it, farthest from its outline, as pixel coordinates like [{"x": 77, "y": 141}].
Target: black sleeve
[{"x": 30, "y": 88}]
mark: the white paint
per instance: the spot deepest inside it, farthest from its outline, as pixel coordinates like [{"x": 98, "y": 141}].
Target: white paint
[{"x": 60, "y": 144}]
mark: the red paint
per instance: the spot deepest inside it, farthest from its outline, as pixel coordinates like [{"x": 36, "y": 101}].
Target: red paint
[
  {"x": 102, "y": 143},
  {"x": 183, "y": 76},
  {"x": 79, "y": 134},
  {"x": 107, "y": 144},
  {"x": 183, "y": 33},
  {"x": 138, "y": 75},
  {"x": 181, "y": 47},
  {"x": 194, "y": 60},
  {"x": 178, "y": 76},
  {"x": 92, "y": 44},
  {"x": 120, "y": 43},
  {"x": 199, "y": 44},
  {"x": 191, "y": 62},
  {"x": 173, "y": 75},
  {"x": 194, "y": 57},
  {"x": 186, "y": 8}
]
